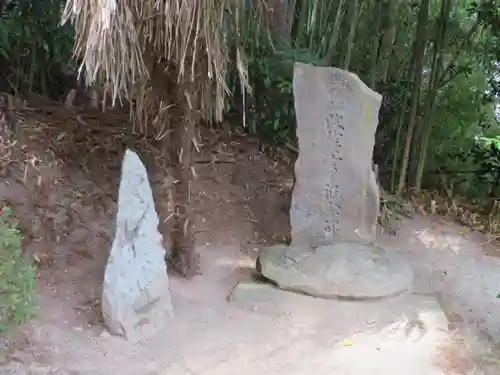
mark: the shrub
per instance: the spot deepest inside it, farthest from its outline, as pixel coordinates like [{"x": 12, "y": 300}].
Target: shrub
[{"x": 17, "y": 276}]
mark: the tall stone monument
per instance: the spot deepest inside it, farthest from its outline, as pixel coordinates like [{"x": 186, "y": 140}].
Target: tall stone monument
[
  {"x": 136, "y": 297},
  {"x": 335, "y": 198}
]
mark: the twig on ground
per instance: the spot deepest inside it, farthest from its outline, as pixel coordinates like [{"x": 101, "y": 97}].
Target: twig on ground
[{"x": 489, "y": 240}]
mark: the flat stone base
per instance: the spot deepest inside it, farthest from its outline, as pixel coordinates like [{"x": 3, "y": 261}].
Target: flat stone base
[
  {"x": 269, "y": 300},
  {"x": 391, "y": 335},
  {"x": 348, "y": 270}
]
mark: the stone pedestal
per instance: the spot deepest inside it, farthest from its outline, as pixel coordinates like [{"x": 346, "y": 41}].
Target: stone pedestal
[{"x": 342, "y": 270}]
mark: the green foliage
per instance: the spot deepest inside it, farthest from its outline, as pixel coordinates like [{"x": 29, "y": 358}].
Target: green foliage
[
  {"x": 271, "y": 56},
  {"x": 275, "y": 86},
  {"x": 463, "y": 97},
  {"x": 271, "y": 110},
  {"x": 461, "y": 115},
  {"x": 35, "y": 51},
  {"x": 17, "y": 277},
  {"x": 486, "y": 155}
]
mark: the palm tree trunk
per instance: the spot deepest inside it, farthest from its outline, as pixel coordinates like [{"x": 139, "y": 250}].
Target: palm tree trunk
[{"x": 184, "y": 256}]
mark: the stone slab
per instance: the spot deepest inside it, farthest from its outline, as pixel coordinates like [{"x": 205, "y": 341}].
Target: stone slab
[
  {"x": 336, "y": 195},
  {"x": 386, "y": 334},
  {"x": 377, "y": 314}
]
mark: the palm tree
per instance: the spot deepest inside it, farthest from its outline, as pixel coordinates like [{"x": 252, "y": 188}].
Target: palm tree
[{"x": 170, "y": 59}]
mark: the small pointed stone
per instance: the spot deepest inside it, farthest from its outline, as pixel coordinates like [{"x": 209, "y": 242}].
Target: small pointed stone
[{"x": 136, "y": 299}]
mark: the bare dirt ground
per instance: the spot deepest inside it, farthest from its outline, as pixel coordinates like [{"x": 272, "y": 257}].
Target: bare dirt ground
[{"x": 62, "y": 175}]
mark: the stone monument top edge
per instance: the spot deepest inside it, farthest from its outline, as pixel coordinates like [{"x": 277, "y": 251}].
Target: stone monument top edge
[{"x": 300, "y": 67}]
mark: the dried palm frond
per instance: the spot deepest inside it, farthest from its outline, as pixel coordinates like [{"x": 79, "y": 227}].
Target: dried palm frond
[{"x": 119, "y": 40}]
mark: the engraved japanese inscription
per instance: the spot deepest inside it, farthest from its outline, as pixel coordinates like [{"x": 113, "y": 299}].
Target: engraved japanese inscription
[{"x": 335, "y": 151}]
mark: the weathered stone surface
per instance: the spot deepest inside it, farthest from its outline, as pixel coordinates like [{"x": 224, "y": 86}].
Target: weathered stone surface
[
  {"x": 136, "y": 297},
  {"x": 346, "y": 270},
  {"x": 261, "y": 297},
  {"x": 406, "y": 317},
  {"x": 335, "y": 196}
]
